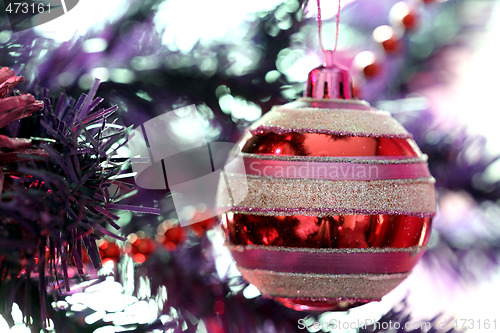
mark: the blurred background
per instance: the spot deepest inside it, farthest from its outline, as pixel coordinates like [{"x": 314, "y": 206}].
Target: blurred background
[{"x": 433, "y": 64}]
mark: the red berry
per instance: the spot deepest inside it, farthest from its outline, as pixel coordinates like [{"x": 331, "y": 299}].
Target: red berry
[
  {"x": 142, "y": 249},
  {"x": 200, "y": 228},
  {"x": 371, "y": 70},
  {"x": 109, "y": 251},
  {"x": 409, "y": 21},
  {"x": 173, "y": 237}
]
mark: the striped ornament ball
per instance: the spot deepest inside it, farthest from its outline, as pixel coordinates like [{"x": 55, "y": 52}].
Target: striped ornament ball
[{"x": 337, "y": 200}]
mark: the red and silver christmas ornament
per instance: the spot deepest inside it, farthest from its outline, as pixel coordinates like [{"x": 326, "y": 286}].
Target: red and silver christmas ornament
[{"x": 338, "y": 200}]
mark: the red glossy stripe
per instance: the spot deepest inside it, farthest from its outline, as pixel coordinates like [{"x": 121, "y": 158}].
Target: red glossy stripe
[
  {"x": 317, "y": 144},
  {"x": 328, "y": 232},
  {"x": 322, "y": 304}
]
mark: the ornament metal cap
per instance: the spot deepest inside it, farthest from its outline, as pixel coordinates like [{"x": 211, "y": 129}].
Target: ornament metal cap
[{"x": 329, "y": 81}]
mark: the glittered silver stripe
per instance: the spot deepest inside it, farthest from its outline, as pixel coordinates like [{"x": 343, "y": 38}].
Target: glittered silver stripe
[
  {"x": 296, "y": 285},
  {"x": 396, "y": 196},
  {"x": 331, "y": 121},
  {"x": 321, "y": 212},
  {"x": 411, "y": 250},
  {"x": 354, "y": 160}
]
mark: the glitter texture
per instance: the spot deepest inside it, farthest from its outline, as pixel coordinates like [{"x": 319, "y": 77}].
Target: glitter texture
[
  {"x": 320, "y": 212},
  {"x": 363, "y": 286},
  {"x": 411, "y": 250},
  {"x": 335, "y": 197},
  {"x": 330, "y": 121}
]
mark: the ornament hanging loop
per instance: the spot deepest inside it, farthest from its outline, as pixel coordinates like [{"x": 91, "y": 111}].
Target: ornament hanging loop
[
  {"x": 329, "y": 54},
  {"x": 329, "y": 81}
]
